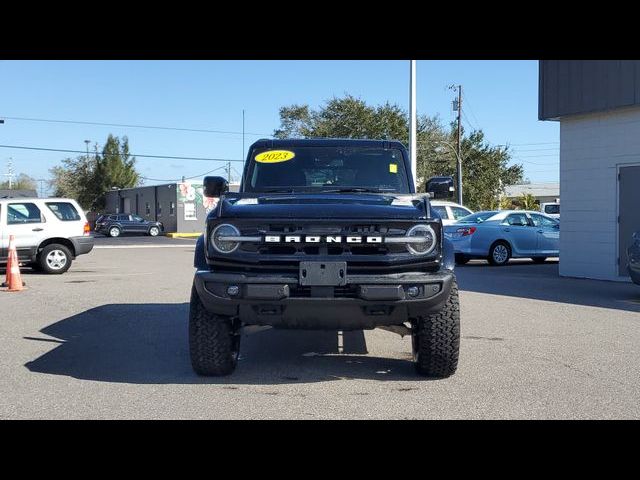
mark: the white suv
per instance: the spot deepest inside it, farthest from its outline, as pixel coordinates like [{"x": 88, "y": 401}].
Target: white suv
[
  {"x": 450, "y": 212},
  {"x": 49, "y": 232}
]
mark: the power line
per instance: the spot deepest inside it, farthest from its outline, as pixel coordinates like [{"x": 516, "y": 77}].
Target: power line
[
  {"x": 523, "y": 144},
  {"x": 468, "y": 122},
  {"x": 466, "y": 101},
  {"x": 154, "y": 127},
  {"x": 186, "y": 178},
  {"x": 22, "y": 147}
]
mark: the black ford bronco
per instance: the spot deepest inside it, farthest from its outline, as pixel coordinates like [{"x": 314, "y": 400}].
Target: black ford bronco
[{"x": 325, "y": 234}]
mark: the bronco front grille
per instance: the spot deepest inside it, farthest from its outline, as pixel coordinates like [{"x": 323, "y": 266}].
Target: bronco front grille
[{"x": 361, "y": 258}]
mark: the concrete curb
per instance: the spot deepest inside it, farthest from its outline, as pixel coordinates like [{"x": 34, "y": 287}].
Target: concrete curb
[{"x": 184, "y": 235}]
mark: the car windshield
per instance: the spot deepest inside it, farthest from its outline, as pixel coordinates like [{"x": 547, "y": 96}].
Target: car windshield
[
  {"x": 327, "y": 169},
  {"x": 478, "y": 217},
  {"x": 552, "y": 209}
]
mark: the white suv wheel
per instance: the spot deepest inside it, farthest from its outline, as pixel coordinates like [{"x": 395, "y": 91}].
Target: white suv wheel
[{"x": 56, "y": 259}]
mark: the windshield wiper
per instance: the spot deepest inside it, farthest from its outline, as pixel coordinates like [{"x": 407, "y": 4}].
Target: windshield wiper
[
  {"x": 277, "y": 190},
  {"x": 358, "y": 190}
]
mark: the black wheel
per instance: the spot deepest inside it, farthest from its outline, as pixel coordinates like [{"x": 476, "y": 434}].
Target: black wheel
[
  {"x": 35, "y": 266},
  {"x": 214, "y": 344},
  {"x": 54, "y": 258},
  {"x": 154, "y": 231},
  {"x": 114, "y": 231},
  {"x": 461, "y": 259},
  {"x": 539, "y": 259},
  {"x": 499, "y": 253},
  {"x": 436, "y": 341}
]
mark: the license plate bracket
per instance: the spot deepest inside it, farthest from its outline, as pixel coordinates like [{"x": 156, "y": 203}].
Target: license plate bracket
[{"x": 323, "y": 274}]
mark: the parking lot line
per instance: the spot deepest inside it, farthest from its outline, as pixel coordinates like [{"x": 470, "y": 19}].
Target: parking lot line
[{"x": 140, "y": 246}]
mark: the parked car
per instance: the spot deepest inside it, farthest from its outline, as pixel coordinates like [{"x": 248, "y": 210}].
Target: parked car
[
  {"x": 49, "y": 233},
  {"x": 551, "y": 208},
  {"x": 450, "y": 212},
  {"x": 633, "y": 253},
  {"x": 500, "y": 235},
  {"x": 114, "y": 225}
]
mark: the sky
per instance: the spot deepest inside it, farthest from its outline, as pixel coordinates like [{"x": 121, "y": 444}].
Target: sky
[{"x": 500, "y": 97}]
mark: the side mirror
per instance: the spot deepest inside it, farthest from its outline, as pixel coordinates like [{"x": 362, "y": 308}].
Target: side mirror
[
  {"x": 215, "y": 186},
  {"x": 440, "y": 187}
]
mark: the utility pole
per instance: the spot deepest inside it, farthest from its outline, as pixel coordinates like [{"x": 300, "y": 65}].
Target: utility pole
[
  {"x": 10, "y": 173},
  {"x": 242, "y": 137},
  {"x": 457, "y": 105},
  {"x": 229, "y": 172},
  {"x": 87, "y": 142},
  {"x": 413, "y": 122},
  {"x": 41, "y": 180}
]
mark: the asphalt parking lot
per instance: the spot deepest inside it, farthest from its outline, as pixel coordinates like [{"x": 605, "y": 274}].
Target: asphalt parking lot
[{"x": 108, "y": 340}]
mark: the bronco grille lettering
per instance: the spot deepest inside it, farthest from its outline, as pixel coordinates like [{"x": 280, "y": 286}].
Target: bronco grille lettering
[{"x": 319, "y": 239}]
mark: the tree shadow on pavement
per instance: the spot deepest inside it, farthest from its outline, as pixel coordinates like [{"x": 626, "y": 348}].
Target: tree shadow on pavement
[
  {"x": 148, "y": 343},
  {"x": 543, "y": 282}
]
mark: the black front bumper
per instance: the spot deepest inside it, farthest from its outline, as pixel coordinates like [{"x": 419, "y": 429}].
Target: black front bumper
[{"x": 366, "y": 301}]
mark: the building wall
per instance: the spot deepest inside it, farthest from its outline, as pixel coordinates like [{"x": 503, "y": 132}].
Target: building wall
[
  {"x": 165, "y": 200},
  {"x": 575, "y": 87},
  {"x": 592, "y": 147}
]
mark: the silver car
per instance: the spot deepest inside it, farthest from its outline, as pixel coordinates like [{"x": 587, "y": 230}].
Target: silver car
[{"x": 500, "y": 235}]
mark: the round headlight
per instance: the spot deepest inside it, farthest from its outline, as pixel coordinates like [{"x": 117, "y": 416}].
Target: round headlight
[
  {"x": 224, "y": 230},
  {"x": 426, "y": 246}
]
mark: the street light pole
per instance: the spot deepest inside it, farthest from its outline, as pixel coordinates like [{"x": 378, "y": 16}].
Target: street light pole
[
  {"x": 413, "y": 122},
  {"x": 459, "y": 145}
]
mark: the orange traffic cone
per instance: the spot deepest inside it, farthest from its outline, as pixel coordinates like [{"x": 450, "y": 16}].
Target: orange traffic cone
[{"x": 14, "y": 280}]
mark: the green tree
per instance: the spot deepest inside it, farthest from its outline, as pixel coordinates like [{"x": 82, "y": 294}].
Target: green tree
[
  {"x": 485, "y": 169},
  {"x": 528, "y": 202},
  {"x": 88, "y": 178},
  {"x": 74, "y": 179},
  {"x": 21, "y": 182},
  {"x": 115, "y": 168}
]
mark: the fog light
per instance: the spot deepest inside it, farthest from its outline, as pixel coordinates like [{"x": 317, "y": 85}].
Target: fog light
[
  {"x": 413, "y": 291},
  {"x": 233, "y": 290}
]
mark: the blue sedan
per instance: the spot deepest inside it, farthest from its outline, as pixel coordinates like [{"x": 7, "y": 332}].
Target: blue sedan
[{"x": 500, "y": 235}]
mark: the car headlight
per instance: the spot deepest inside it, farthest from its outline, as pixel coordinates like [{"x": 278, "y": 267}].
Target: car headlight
[
  {"x": 221, "y": 231},
  {"x": 427, "y": 245}
]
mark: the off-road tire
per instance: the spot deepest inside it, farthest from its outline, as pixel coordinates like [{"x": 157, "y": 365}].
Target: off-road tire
[
  {"x": 114, "y": 229},
  {"x": 492, "y": 260},
  {"x": 539, "y": 259},
  {"x": 213, "y": 344},
  {"x": 461, "y": 259},
  {"x": 436, "y": 341},
  {"x": 44, "y": 253}
]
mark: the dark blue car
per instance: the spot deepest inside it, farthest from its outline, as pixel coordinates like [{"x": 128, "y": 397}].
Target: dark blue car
[{"x": 114, "y": 225}]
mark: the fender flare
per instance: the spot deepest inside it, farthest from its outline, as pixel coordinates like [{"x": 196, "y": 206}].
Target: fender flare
[
  {"x": 199, "y": 259},
  {"x": 448, "y": 254}
]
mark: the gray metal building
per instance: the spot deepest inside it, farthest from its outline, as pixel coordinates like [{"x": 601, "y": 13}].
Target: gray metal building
[
  {"x": 6, "y": 193},
  {"x": 598, "y": 106},
  {"x": 181, "y": 207}
]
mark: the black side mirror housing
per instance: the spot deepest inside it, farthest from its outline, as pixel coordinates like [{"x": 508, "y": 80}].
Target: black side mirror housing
[
  {"x": 440, "y": 187},
  {"x": 215, "y": 186}
]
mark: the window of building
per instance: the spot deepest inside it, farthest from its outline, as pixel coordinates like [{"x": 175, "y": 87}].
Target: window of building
[
  {"x": 172, "y": 208},
  {"x": 159, "y": 209},
  {"x": 147, "y": 208}
]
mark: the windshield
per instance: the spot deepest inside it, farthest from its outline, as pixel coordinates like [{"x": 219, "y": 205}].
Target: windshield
[
  {"x": 478, "y": 217},
  {"x": 330, "y": 168},
  {"x": 552, "y": 209}
]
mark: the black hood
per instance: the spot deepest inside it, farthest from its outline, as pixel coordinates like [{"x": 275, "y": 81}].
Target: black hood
[{"x": 325, "y": 206}]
